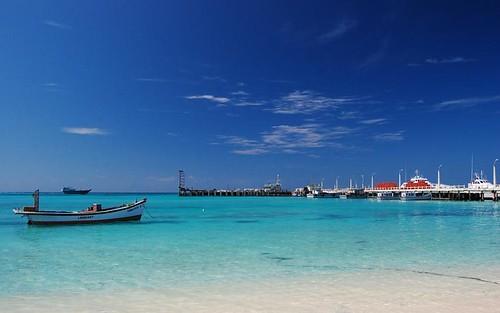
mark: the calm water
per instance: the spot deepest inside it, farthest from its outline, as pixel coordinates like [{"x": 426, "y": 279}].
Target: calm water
[{"x": 187, "y": 241}]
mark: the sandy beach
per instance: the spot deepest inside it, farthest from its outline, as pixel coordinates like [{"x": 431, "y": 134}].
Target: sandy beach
[{"x": 381, "y": 291}]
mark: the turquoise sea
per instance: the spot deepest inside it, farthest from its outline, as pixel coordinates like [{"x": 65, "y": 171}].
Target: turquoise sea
[{"x": 190, "y": 241}]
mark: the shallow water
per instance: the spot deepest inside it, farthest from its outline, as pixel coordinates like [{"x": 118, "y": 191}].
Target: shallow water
[{"x": 191, "y": 242}]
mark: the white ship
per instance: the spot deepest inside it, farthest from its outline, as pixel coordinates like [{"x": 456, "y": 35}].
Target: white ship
[
  {"x": 415, "y": 188},
  {"x": 387, "y": 195},
  {"x": 481, "y": 183},
  {"x": 413, "y": 195}
]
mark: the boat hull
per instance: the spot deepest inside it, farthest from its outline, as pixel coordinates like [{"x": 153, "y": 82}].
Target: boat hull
[
  {"x": 69, "y": 222},
  {"x": 132, "y": 212},
  {"x": 387, "y": 196},
  {"x": 76, "y": 192},
  {"x": 416, "y": 196}
]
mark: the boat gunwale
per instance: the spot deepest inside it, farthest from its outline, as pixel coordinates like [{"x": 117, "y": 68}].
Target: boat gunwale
[{"x": 78, "y": 213}]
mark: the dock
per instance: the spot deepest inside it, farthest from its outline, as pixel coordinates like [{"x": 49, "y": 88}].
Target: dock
[
  {"x": 451, "y": 193},
  {"x": 479, "y": 190},
  {"x": 269, "y": 190}
]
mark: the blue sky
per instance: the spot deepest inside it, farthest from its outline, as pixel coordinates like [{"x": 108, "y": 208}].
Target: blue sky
[{"x": 118, "y": 95}]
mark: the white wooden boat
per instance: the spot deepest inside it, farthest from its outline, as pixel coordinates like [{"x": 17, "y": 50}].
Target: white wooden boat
[{"x": 93, "y": 214}]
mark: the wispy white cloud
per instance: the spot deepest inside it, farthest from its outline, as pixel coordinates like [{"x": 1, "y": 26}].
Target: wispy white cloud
[
  {"x": 151, "y": 79},
  {"x": 239, "y": 141},
  {"x": 55, "y": 24},
  {"x": 249, "y": 103},
  {"x": 240, "y": 93},
  {"x": 449, "y": 60},
  {"x": 307, "y": 102},
  {"x": 376, "y": 56},
  {"x": 390, "y": 136},
  {"x": 338, "y": 31},
  {"x": 245, "y": 146},
  {"x": 220, "y": 100},
  {"x": 289, "y": 139},
  {"x": 348, "y": 115},
  {"x": 279, "y": 81},
  {"x": 215, "y": 78},
  {"x": 373, "y": 121},
  {"x": 86, "y": 131},
  {"x": 443, "y": 61},
  {"x": 303, "y": 136},
  {"x": 50, "y": 85},
  {"x": 251, "y": 151},
  {"x": 465, "y": 103}
]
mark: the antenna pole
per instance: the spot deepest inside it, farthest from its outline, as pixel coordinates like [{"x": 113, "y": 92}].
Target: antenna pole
[{"x": 182, "y": 181}]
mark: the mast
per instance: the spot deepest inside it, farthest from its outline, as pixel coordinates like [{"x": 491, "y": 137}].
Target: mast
[
  {"x": 36, "y": 199},
  {"x": 495, "y": 172},
  {"x": 472, "y": 168}
]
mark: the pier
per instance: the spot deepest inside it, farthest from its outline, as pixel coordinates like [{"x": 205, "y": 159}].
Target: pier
[
  {"x": 479, "y": 189},
  {"x": 451, "y": 193},
  {"x": 269, "y": 190}
]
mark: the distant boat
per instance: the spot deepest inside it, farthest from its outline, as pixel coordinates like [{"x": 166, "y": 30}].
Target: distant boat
[
  {"x": 416, "y": 195},
  {"x": 73, "y": 191},
  {"x": 357, "y": 193},
  {"x": 93, "y": 214},
  {"x": 387, "y": 195},
  {"x": 417, "y": 182},
  {"x": 480, "y": 183},
  {"x": 414, "y": 184},
  {"x": 322, "y": 194}
]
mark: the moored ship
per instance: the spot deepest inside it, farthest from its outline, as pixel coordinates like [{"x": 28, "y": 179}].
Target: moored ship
[
  {"x": 417, "y": 182},
  {"x": 481, "y": 183},
  {"x": 414, "y": 195},
  {"x": 415, "y": 186},
  {"x": 387, "y": 195},
  {"x": 74, "y": 191}
]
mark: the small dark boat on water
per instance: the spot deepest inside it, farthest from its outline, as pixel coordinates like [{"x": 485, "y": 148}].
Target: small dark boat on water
[{"x": 73, "y": 191}]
